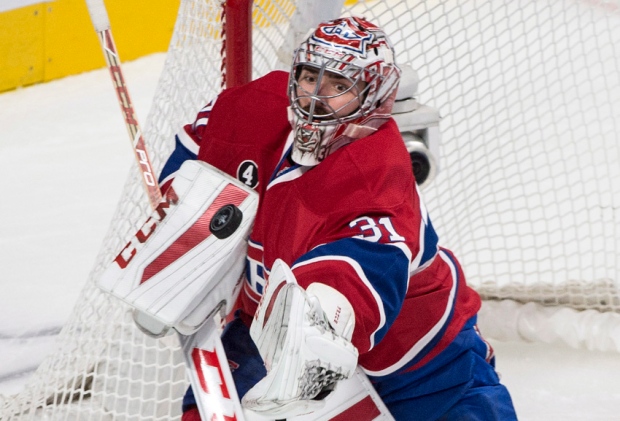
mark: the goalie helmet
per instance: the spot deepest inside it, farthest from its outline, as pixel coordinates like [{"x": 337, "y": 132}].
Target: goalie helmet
[{"x": 359, "y": 54}]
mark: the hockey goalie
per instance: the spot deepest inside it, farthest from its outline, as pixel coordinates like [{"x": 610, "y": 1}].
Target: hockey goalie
[{"x": 296, "y": 193}]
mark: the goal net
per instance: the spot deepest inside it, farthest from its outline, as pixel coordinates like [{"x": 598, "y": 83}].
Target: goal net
[{"x": 526, "y": 194}]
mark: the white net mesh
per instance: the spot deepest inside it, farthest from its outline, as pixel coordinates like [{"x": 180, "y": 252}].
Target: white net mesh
[{"x": 529, "y": 92}]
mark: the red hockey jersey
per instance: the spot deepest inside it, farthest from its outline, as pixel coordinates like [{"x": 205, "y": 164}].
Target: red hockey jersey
[{"x": 355, "y": 222}]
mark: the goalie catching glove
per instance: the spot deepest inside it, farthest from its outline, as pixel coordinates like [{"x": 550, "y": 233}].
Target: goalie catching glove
[{"x": 303, "y": 354}]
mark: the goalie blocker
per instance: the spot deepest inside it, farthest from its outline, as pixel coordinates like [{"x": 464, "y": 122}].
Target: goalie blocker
[{"x": 187, "y": 260}]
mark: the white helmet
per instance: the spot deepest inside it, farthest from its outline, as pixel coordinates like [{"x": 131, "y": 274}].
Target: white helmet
[{"x": 354, "y": 49}]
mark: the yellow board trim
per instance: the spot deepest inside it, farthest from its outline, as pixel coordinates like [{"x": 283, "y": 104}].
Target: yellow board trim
[
  {"x": 51, "y": 40},
  {"x": 21, "y": 47}
]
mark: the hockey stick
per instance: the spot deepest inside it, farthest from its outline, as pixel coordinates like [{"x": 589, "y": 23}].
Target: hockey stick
[
  {"x": 203, "y": 351},
  {"x": 210, "y": 376},
  {"x": 99, "y": 16}
]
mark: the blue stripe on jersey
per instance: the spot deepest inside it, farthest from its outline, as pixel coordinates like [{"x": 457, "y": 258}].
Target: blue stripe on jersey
[
  {"x": 385, "y": 266},
  {"x": 433, "y": 342},
  {"x": 277, "y": 172},
  {"x": 178, "y": 157},
  {"x": 431, "y": 242}
]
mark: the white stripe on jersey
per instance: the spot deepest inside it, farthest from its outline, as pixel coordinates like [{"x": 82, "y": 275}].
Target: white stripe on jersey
[
  {"x": 201, "y": 122},
  {"x": 187, "y": 141},
  {"x": 415, "y": 263},
  {"x": 204, "y": 120},
  {"x": 288, "y": 176},
  {"x": 254, "y": 260},
  {"x": 431, "y": 334},
  {"x": 362, "y": 276}
]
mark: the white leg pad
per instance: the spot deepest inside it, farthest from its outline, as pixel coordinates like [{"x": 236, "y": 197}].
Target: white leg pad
[{"x": 353, "y": 399}]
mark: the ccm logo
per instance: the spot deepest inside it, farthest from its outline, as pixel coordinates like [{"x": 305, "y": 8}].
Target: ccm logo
[{"x": 130, "y": 249}]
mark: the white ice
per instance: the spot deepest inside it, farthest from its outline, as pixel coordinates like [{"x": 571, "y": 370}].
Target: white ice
[{"x": 64, "y": 157}]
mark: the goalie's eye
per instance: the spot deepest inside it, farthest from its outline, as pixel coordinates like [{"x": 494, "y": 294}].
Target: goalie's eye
[
  {"x": 341, "y": 87},
  {"x": 308, "y": 79}
]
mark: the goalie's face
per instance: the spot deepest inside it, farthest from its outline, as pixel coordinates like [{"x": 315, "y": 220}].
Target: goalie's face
[
  {"x": 324, "y": 96},
  {"x": 343, "y": 76}
]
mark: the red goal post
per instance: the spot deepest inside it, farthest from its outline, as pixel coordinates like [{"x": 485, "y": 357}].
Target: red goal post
[
  {"x": 527, "y": 194},
  {"x": 237, "y": 38}
]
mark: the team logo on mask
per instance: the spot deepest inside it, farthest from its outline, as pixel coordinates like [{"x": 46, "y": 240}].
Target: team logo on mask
[
  {"x": 308, "y": 137},
  {"x": 340, "y": 34}
]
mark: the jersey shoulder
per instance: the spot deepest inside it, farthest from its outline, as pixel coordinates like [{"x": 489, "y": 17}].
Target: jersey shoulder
[
  {"x": 266, "y": 89},
  {"x": 377, "y": 167},
  {"x": 253, "y": 114},
  {"x": 383, "y": 151}
]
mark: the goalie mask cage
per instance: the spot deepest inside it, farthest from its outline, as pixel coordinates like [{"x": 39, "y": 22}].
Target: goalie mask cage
[{"x": 527, "y": 195}]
